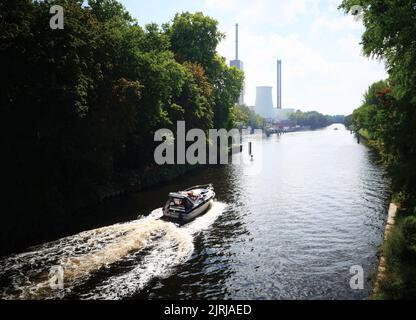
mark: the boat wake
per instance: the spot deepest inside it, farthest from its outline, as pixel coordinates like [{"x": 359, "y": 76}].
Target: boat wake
[{"x": 113, "y": 262}]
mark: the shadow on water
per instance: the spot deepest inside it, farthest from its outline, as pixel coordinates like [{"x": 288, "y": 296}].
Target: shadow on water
[{"x": 291, "y": 231}]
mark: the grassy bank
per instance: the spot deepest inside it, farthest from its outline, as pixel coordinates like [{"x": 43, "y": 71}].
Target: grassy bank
[
  {"x": 397, "y": 272},
  {"x": 399, "y": 252}
]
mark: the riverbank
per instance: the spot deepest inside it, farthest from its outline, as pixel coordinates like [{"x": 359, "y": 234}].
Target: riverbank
[
  {"x": 381, "y": 271},
  {"x": 299, "y": 231},
  {"x": 396, "y": 274},
  {"x": 396, "y": 277},
  {"x": 137, "y": 180},
  {"x": 18, "y": 235},
  {"x": 381, "y": 275}
]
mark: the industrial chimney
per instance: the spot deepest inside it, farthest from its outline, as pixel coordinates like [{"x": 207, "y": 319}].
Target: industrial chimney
[
  {"x": 236, "y": 41},
  {"x": 279, "y": 84},
  {"x": 238, "y": 64}
]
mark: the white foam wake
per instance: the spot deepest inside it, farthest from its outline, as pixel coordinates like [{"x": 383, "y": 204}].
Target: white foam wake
[
  {"x": 173, "y": 250},
  {"x": 150, "y": 247}
]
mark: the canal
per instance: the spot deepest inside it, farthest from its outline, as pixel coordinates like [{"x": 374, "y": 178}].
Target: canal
[{"x": 288, "y": 225}]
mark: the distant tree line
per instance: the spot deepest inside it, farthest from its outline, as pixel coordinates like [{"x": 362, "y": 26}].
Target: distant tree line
[
  {"x": 387, "y": 118},
  {"x": 81, "y": 104},
  {"x": 245, "y": 116},
  {"x": 314, "y": 119}
]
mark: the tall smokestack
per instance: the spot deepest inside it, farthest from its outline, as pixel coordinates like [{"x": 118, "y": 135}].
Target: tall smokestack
[
  {"x": 237, "y": 63},
  {"x": 236, "y": 41},
  {"x": 279, "y": 84}
]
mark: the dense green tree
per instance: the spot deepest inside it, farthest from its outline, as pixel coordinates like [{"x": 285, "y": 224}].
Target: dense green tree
[
  {"x": 389, "y": 35},
  {"x": 80, "y": 106},
  {"x": 244, "y": 116},
  {"x": 194, "y": 38},
  {"x": 389, "y": 116},
  {"x": 314, "y": 119}
]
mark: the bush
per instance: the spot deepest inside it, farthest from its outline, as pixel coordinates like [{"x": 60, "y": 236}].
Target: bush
[
  {"x": 399, "y": 251},
  {"x": 409, "y": 234}
]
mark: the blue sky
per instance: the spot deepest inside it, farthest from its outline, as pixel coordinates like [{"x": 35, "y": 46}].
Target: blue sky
[{"x": 323, "y": 67}]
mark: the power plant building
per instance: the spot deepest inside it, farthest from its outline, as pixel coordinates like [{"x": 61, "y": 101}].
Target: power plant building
[{"x": 264, "y": 102}]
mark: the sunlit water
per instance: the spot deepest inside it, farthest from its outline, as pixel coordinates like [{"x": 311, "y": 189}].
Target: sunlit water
[{"x": 288, "y": 225}]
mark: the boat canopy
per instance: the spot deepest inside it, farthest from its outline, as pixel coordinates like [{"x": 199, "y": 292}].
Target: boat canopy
[{"x": 178, "y": 195}]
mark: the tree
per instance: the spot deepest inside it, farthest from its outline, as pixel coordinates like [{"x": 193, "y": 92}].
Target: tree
[
  {"x": 390, "y": 35},
  {"x": 194, "y": 38},
  {"x": 80, "y": 106},
  {"x": 390, "y": 115}
]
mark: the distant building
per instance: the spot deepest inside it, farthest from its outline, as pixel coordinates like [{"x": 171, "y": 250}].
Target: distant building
[
  {"x": 264, "y": 102},
  {"x": 279, "y": 85},
  {"x": 238, "y": 64}
]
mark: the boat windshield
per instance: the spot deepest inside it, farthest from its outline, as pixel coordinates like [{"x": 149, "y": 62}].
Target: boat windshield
[
  {"x": 178, "y": 202},
  {"x": 181, "y": 203}
]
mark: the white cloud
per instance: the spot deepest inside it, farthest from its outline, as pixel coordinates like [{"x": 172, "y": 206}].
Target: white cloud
[
  {"x": 323, "y": 68},
  {"x": 335, "y": 23}
]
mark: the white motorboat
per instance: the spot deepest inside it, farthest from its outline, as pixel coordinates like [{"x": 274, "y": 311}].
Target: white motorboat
[{"x": 190, "y": 203}]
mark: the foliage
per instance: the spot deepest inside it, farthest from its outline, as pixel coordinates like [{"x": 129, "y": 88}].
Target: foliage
[
  {"x": 314, "y": 119},
  {"x": 348, "y": 121},
  {"x": 389, "y": 116},
  {"x": 244, "y": 116},
  {"x": 81, "y": 104},
  {"x": 399, "y": 281},
  {"x": 390, "y": 36}
]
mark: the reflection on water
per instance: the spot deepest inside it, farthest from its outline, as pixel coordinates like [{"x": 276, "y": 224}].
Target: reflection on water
[{"x": 292, "y": 231}]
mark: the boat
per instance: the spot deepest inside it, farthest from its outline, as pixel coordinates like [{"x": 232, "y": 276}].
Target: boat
[{"x": 188, "y": 204}]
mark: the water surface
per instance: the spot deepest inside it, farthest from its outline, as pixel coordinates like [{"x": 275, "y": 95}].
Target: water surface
[{"x": 291, "y": 230}]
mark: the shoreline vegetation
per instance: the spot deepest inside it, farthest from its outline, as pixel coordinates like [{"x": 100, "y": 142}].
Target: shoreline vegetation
[
  {"x": 81, "y": 105},
  {"x": 387, "y": 120}
]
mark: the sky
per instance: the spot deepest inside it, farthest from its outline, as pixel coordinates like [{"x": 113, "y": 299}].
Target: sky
[{"x": 323, "y": 68}]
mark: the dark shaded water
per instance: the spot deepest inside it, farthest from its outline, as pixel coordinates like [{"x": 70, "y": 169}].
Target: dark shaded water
[{"x": 289, "y": 231}]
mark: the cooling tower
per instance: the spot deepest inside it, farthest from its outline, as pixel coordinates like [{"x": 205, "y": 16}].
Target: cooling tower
[{"x": 264, "y": 102}]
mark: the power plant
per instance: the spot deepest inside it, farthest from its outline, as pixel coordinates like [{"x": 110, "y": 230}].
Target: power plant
[
  {"x": 238, "y": 64},
  {"x": 264, "y": 102}
]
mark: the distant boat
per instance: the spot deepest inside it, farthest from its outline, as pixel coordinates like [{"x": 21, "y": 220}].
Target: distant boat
[{"x": 335, "y": 128}]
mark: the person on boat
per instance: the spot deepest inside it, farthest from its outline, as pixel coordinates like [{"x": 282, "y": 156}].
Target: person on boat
[
  {"x": 192, "y": 195},
  {"x": 178, "y": 202}
]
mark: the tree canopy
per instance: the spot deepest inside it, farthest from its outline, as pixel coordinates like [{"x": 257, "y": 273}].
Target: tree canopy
[
  {"x": 388, "y": 115},
  {"x": 79, "y": 105},
  {"x": 314, "y": 119}
]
